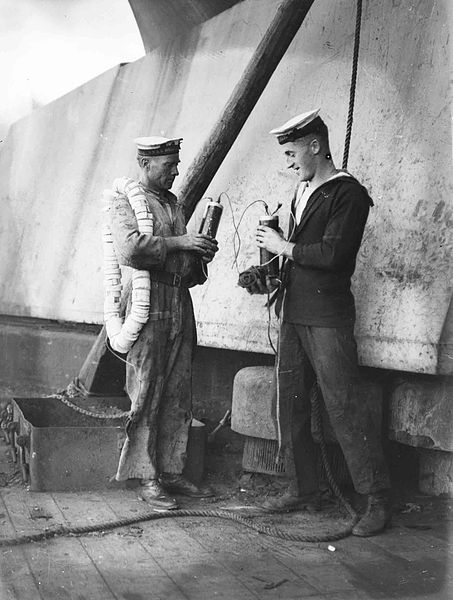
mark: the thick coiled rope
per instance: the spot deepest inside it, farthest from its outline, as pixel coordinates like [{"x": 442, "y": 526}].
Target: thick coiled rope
[{"x": 63, "y": 530}]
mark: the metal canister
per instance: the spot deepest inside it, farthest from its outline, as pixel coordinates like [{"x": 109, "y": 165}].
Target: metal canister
[
  {"x": 267, "y": 259},
  {"x": 211, "y": 218}
]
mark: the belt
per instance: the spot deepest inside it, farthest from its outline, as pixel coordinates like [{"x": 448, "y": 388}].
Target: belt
[{"x": 169, "y": 278}]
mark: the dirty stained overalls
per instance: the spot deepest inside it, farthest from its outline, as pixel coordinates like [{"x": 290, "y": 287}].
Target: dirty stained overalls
[{"x": 159, "y": 369}]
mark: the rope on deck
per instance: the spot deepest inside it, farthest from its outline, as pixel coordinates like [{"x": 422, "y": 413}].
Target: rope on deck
[
  {"x": 152, "y": 516},
  {"x": 248, "y": 522}
]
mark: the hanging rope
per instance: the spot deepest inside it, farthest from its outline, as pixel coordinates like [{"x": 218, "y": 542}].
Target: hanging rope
[{"x": 355, "y": 61}]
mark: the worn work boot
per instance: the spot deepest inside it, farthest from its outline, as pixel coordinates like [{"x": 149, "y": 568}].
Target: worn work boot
[
  {"x": 377, "y": 516},
  {"x": 291, "y": 501},
  {"x": 178, "y": 484},
  {"x": 154, "y": 495}
]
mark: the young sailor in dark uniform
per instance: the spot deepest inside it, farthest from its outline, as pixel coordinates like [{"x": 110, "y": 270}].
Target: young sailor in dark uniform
[{"x": 328, "y": 216}]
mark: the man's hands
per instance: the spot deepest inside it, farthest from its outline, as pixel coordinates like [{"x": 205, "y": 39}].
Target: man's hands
[
  {"x": 273, "y": 241},
  {"x": 203, "y": 245},
  {"x": 259, "y": 287},
  {"x": 256, "y": 281}
]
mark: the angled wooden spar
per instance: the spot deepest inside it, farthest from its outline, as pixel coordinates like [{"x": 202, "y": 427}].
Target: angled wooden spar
[
  {"x": 102, "y": 373},
  {"x": 271, "y": 49}
]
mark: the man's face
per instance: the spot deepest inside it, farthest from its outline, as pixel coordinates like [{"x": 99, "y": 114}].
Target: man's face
[
  {"x": 300, "y": 157},
  {"x": 161, "y": 171}
]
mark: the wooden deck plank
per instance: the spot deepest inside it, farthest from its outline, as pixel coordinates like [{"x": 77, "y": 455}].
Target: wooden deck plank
[
  {"x": 161, "y": 536},
  {"x": 236, "y": 539},
  {"x": 129, "y": 570},
  {"x": 253, "y": 557},
  {"x": 411, "y": 543},
  {"x": 194, "y": 568},
  {"x": 260, "y": 570},
  {"x": 61, "y": 566},
  {"x": 322, "y": 570},
  {"x": 203, "y": 559},
  {"x": 119, "y": 555},
  {"x": 245, "y": 554},
  {"x": 376, "y": 569},
  {"x": 17, "y": 580},
  {"x": 32, "y": 511},
  {"x": 424, "y": 560},
  {"x": 311, "y": 562}
]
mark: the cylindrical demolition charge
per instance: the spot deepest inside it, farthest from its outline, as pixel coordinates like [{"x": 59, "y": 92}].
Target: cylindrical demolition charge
[
  {"x": 211, "y": 218},
  {"x": 268, "y": 259}
]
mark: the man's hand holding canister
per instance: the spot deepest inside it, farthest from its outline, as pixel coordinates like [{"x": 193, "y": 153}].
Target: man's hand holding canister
[
  {"x": 202, "y": 244},
  {"x": 273, "y": 241},
  {"x": 258, "y": 279}
]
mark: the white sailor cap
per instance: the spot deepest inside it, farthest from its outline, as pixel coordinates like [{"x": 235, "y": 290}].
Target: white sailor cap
[
  {"x": 299, "y": 126},
  {"x": 157, "y": 145}
]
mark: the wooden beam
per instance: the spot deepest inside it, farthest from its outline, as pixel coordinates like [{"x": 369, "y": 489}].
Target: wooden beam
[{"x": 275, "y": 42}]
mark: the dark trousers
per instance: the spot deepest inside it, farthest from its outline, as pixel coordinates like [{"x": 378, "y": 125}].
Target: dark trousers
[{"x": 328, "y": 355}]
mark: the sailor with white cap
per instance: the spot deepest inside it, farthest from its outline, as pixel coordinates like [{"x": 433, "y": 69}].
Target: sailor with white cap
[
  {"x": 157, "y": 145},
  {"x": 159, "y": 364},
  {"x": 300, "y": 126},
  {"x": 297, "y": 128},
  {"x": 162, "y": 154},
  {"x": 328, "y": 215}
]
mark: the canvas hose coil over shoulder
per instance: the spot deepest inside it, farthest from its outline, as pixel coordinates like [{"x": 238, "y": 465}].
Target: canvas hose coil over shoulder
[{"x": 122, "y": 333}]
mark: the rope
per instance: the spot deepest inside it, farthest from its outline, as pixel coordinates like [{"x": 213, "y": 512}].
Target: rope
[
  {"x": 152, "y": 516},
  {"x": 355, "y": 61},
  {"x": 316, "y": 408}
]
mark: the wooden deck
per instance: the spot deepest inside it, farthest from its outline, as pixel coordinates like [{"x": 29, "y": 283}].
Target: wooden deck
[{"x": 210, "y": 558}]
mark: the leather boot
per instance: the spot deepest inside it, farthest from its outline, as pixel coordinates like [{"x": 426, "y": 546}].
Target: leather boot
[
  {"x": 153, "y": 493},
  {"x": 290, "y": 501},
  {"x": 377, "y": 515},
  {"x": 178, "y": 484}
]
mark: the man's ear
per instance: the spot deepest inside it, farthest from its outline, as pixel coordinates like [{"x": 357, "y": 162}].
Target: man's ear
[
  {"x": 143, "y": 162},
  {"x": 315, "y": 146}
]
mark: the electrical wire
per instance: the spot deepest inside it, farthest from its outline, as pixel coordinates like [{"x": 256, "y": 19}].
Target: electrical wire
[
  {"x": 269, "y": 321},
  {"x": 236, "y": 226},
  {"x": 107, "y": 345},
  {"x": 276, "y": 257},
  {"x": 288, "y": 242}
]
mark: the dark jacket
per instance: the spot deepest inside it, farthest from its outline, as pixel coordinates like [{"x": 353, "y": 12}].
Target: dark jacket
[{"x": 317, "y": 282}]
